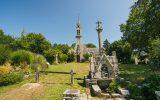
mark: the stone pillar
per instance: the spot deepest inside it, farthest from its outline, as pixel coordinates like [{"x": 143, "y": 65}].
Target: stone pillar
[
  {"x": 136, "y": 61},
  {"x": 56, "y": 59},
  {"x": 37, "y": 75},
  {"x": 99, "y": 30},
  {"x": 72, "y": 78},
  {"x": 99, "y": 41}
]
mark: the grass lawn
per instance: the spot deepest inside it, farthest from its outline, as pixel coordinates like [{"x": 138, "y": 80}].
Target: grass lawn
[
  {"x": 52, "y": 85},
  {"x": 58, "y": 83},
  {"x": 134, "y": 73}
]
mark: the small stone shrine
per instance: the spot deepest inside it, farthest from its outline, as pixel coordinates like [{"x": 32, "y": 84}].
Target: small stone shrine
[{"x": 104, "y": 67}]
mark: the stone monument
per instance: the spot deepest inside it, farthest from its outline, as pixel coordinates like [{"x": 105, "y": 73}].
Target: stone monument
[{"x": 103, "y": 68}]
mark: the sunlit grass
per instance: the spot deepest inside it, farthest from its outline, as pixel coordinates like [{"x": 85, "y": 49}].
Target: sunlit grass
[
  {"x": 134, "y": 73},
  {"x": 55, "y": 84}
]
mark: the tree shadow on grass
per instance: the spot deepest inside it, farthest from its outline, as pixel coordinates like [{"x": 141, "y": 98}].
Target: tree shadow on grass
[{"x": 81, "y": 84}]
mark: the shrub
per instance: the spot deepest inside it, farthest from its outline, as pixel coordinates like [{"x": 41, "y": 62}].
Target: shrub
[
  {"x": 113, "y": 86},
  {"x": 39, "y": 61},
  {"x": 86, "y": 56},
  {"x": 150, "y": 85},
  {"x": 71, "y": 55},
  {"x": 11, "y": 78},
  {"x": 135, "y": 92},
  {"x": 21, "y": 57},
  {"x": 5, "y": 70},
  {"x": 63, "y": 58}
]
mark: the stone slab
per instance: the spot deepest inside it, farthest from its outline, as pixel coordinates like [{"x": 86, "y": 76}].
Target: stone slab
[
  {"x": 124, "y": 92},
  {"x": 116, "y": 95},
  {"x": 71, "y": 94},
  {"x": 96, "y": 90},
  {"x": 157, "y": 94}
]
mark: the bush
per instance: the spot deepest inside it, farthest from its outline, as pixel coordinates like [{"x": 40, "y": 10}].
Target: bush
[
  {"x": 21, "y": 57},
  {"x": 11, "y": 78},
  {"x": 71, "y": 55},
  {"x": 39, "y": 61},
  {"x": 5, "y": 70},
  {"x": 86, "y": 56},
  {"x": 63, "y": 58},
  {"x": 150, "y": 85},
  {"x": 113, "y": 86},
  {"x": 135, "y": 92}
]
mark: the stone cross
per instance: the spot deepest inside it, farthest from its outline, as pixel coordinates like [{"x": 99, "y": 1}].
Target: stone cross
[
  {"x": 72, "y": 78},
  {"x": 56, "y": 59},
  {"x": 36, "y": 75}
]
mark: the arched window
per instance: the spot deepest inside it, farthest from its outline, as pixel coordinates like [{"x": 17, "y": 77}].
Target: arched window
[{"x": 104, "y": 71}]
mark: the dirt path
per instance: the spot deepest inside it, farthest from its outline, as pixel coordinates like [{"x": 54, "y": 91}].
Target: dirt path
[{"x": 25, "y": 92}]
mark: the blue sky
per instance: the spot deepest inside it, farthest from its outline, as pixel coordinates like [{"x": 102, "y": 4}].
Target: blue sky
[{"x": 57, "y": 19}]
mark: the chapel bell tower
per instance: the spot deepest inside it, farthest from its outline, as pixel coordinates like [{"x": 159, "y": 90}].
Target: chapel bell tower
[{"x": 78, "y": 42}]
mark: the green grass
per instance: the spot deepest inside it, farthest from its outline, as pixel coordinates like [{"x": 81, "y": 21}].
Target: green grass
[
  {"x": 134, "y": 73},
  {"x": 6, "y": 88},
  {"x": 55, "y": 84}
]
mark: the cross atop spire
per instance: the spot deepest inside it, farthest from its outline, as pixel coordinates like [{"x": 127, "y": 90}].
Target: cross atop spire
[{"x": 78, "y": 23}]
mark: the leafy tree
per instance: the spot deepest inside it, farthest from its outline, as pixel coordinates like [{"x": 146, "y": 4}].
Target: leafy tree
[
  {"x": 90, "y": 45},
  {"x": 51, "y": 53},
  {"x": 123, "y": 50},
  {"x": 73, "y": 45},
  {"x": 33, "y": 42},
  {"x": 5, "y": 52},
  {"x": 86, "y": 56},
  {"x": 154, "y": 54},
  {"x": 5, "y": 39},
  {"x": 106, "y": 45},
  {"x": 63, "y": 58},
  {"x": 63, "y": 47},
  {"x": 142, "y": 25}
]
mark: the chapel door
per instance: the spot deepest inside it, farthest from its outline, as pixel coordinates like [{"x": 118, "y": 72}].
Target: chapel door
[{"x": 78, "y": 58}]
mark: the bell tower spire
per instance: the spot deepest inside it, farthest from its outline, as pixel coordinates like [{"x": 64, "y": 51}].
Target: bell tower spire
[
  {"x": 78, "y": 47},
  {"x": 78, "y": 27}
]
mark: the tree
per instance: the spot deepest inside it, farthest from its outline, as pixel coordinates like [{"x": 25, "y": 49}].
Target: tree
[
  {"x": 5, "y": 52},
  {"x": 106, "y": 45},
  {"x": 154, "y": 54},
  {"x": 73, "y": 45},
  {"x": 5, "y": 39},
  {"x": 33, "y": 42},
  {"x": 63, "y": 47},
  {"x": 123, "y": 50},
  {"x": 142, "y": 25},
  {"x": 51, "y": 53},
  {"x": 86, "y": 56},
  {"x": 90, "y": 45}
]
